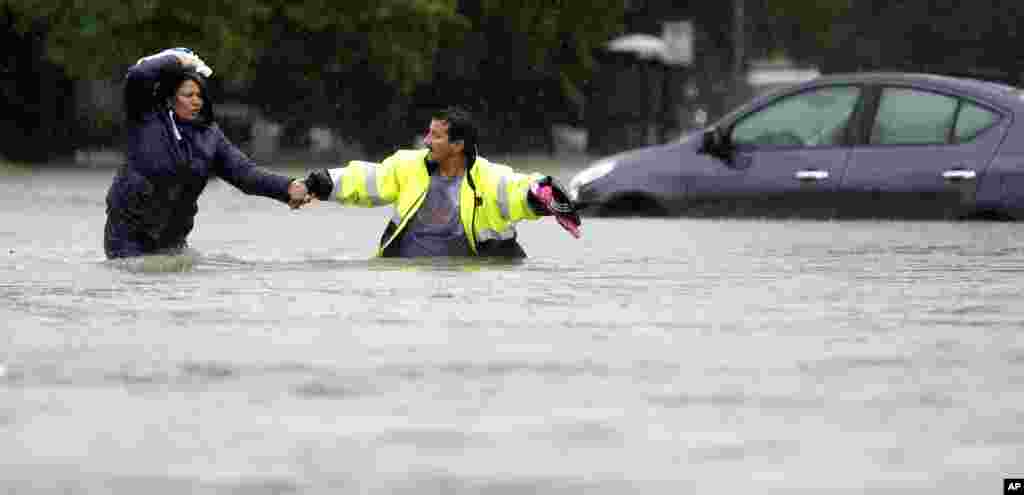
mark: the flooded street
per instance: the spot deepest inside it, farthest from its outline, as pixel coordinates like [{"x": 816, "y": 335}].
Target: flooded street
[{"x": 652, "y": 356}]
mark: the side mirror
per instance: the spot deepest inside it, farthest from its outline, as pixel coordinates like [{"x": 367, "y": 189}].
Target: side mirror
[{"x": 715, "y": 143}]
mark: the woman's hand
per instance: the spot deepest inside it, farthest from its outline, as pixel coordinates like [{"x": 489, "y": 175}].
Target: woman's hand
[
  {"x": 298, "y": 195},
  {"x": 189, "y": 60}
]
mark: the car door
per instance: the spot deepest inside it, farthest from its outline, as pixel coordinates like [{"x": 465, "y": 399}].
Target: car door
[
  {"x": 787, "y": 156},
  {"x": 924, "y": 155}
]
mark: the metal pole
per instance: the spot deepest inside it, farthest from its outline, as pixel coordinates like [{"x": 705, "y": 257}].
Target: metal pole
[{"x": 739, "y": 44}]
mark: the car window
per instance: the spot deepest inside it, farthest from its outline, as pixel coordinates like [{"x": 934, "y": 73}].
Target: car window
[
  {"x": 910, "y": 116},
  {"x": 972, "y": 121},
  {"x": 814, "y": 118}
]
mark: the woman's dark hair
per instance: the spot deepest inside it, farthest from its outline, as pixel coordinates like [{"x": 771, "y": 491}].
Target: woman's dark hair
[
  {"x": 140, "y": 100},
  {"x": 461, "y": 127}
]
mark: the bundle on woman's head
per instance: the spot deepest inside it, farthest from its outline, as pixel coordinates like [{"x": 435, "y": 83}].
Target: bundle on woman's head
[{"x": 189, "y": 58}]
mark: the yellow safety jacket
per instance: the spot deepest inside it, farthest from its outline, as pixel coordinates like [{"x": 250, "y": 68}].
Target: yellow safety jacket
[{"x": 492, "y": 198}]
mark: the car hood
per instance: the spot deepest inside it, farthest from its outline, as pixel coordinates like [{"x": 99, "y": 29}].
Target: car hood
[
  {"x": 654, "y": 156},
  {"x": 660, "y": 171},
  {"x": 648, "y": 153}
]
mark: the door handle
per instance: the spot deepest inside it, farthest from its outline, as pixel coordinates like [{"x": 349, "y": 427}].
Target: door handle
[
  {"x": 959, "y": 175},
  {"x": 811, "y": 175}
]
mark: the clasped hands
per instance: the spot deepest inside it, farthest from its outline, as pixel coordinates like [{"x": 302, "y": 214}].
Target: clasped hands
[
  {"x": 298, "y": 194},
  {"x": 317, "y": 185}
]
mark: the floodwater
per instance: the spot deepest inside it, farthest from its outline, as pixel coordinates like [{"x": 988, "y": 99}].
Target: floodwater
[{"x": 652, "y": 356}]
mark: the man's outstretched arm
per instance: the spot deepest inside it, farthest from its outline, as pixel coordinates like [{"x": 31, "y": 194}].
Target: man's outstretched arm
[{"x": 359, "y": 183}]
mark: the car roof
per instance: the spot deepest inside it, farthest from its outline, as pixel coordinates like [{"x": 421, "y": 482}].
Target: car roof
[
  {"x": 993, "y": 92},
  {"x": 970, "y": 85}
]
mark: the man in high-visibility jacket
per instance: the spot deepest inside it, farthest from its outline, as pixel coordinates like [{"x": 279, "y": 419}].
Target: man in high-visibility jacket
[{"x": 447, "y": 200}]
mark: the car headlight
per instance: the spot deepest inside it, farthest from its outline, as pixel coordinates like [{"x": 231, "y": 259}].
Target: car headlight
[{"x": 599, "y": 169}]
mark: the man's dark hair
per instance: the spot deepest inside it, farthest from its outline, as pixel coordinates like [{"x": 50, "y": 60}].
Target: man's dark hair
[{"x": 461, "y": 127}]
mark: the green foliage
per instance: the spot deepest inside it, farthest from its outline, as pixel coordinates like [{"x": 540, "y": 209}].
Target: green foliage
[
  {"x": 489, "y": 53},
  {"x": 12, "y": 168},
  {"x": 398, "y": 38},
  {"x": 810, "y": 28},
  {"x": 97, "y": 39},
  {"x": 354, "y": 65},
  {"x": 558, "y": 37}
]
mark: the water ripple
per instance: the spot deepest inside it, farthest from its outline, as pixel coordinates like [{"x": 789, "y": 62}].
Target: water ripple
[
  {"x": 434, "y": 438},
  {"x": 547, "y": 368},
  {"x": 736, "y": 400},
  {"x": 843, "y": 365},
  {"x": 743, "y": 450},
  {"x": 339, "y": 388},
  {"x": 209, "y": 371}
]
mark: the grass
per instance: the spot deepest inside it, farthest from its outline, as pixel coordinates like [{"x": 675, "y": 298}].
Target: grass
[{"x": 12, "y": 168}]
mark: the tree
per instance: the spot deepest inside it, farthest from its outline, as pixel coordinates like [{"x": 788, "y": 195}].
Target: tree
[
  {"x": 36, "y": 99},
  {"x": 942, "y": 36},
  {"x": 353, "y": 64},
  {"x": 517, "y": 64},
  {"x": 523, "y": 66},
  {"x": 97, "y": 38},
  {"x": 976, "y": 39},
  {"x": 806, "y": 31}
]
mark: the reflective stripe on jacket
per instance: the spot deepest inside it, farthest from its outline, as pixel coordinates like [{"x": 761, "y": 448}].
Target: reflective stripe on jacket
[{"x": 492, "y": 199}]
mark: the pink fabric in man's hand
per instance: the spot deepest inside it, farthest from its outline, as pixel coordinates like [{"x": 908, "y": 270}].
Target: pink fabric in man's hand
[
  {"x": 568, "y": 224},
  {"x": 547, "y": 197}
]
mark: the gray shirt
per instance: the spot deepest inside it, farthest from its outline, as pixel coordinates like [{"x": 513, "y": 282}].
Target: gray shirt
[{"x": 436, "y": 229}]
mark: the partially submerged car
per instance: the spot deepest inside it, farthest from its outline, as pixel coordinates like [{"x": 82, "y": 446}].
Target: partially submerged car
[{"x": 865, "y": 145}]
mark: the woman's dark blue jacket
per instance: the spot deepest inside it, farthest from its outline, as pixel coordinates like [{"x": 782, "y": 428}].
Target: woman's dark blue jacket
[{"x": 152, "y": 201}]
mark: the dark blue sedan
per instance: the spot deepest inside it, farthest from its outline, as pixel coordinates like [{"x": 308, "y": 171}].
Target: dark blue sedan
[{"x": 867, "y": 145}]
